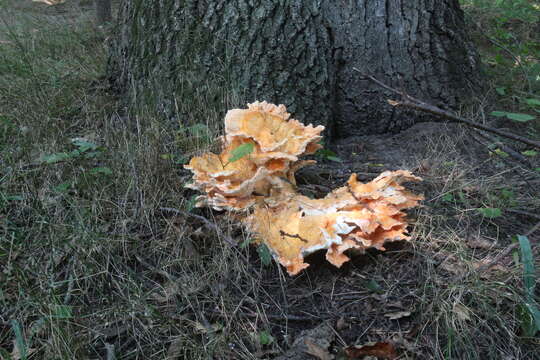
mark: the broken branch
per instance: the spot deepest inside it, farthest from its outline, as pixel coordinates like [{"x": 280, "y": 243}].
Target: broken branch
[{"x": 414, "y": 103}]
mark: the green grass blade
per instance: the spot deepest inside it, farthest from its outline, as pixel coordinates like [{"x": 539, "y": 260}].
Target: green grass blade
[
  {"x": 529, "y": 281},
  {"x": 19, "y": 339}
]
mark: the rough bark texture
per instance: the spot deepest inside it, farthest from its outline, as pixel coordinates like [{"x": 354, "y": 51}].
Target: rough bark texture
[{"x": 300, "y": 53}]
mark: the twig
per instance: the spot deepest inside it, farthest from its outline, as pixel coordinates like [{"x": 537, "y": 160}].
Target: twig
[
  {"x": 511, "y": 152},
  {"x": 411, "y": 102},
  {"x": 523, "y": 212},
  {"x": 497, "y": 258},
  {"x": 500, "y": 256}
]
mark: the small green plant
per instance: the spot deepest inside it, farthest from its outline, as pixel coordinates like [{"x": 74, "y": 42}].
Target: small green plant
[
  {"x": 265, "y": 338},
  {"x": 264, "y": 254},
  {"x": 490, "y": 213},
  {"x": 326, "y": 154},
  {"x": 83, "y": 150}
]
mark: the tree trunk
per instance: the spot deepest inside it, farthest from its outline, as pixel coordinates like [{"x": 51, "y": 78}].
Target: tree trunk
[
  {"x": 103, "y": 11},
  {"x": 299, "y": 53}
]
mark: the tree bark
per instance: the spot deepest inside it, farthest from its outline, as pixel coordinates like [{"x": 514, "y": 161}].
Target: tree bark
[{"x": 300, "y": 53}]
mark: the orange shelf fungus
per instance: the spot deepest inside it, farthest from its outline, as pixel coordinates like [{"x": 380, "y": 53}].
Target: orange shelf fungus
[{"x": 259, "y": 184}]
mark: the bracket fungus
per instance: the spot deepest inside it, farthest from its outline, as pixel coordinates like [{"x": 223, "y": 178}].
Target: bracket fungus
[{"x": 254, "y": 177}]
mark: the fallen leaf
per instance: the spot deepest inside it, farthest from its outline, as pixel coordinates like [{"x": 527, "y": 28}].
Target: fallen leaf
[
  {"x": 176, "y": 348},
  {"x": 462, "y": 312},
  {"x": 480, "y": 243},
  {"x": 201, "y": 329},
  {"x": 341, "y": 324},
  {"x": 316, "y": 350},
  {"x": 397, "y": 315},
  {"x": 452, "y": 265},
  {"x": 381, "y": 350},
  {"x": 494, "y": 267},
  {"x": 170, "y": 289}
]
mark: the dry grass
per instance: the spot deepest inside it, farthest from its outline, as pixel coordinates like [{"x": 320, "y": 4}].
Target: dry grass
[{"x": 93, "y": 267}]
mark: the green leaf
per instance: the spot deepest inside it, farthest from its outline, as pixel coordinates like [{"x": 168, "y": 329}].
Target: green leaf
[
  {"x": 264, "y": 254},
  {"x": 265, "y": 338},
  {"x": 500, "y": 153},
  {"x": 533, "y": 102},
  {"x": 55, "y": 158},
  {"x": 190, "y": 204},
  {"x": 530, "y": 153},
  {"x": 501, "y": 90},
  {"x": 199, "y": 130},
  {"x": 83, "y": 145},
  {"x": 526, "y": 320},
  {"x": 91, "y": 154},
  {"x": 63, "y": 187},
  {"x": 490, "y": 212},
  {"x": 498, "y": 113},
  {"x": 241, "y": 151},
  {"x": 62, "y": 312},
  {"x": 373, "y": 286},
  {"x": 246, "y": 242},
  {"x": 14, "y": 198},
  {"x": 325, "y": 153},
  {"x": 448, "y": 197},
  {"x": 334, "y": 158},
  {"x": 507, "y": 194},
  {"x": 520, "y": 117},
  {"x": 101, "y": 170}
]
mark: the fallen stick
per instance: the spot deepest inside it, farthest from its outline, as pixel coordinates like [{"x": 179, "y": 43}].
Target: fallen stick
[
  {"x": 511, "y": 152},
  {"x": 499, "y": 256},
  {"x": 411, "y": 102}
]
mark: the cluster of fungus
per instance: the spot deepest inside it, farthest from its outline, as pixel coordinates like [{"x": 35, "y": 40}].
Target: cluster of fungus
[{"x": 254, "y": 177}]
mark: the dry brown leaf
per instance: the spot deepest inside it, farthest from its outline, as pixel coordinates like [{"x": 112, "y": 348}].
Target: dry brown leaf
[
  {"x": 176, "y": 348},
  {"x": 170, "y": 289},
  {"x": 211, "y": 328},
  {"x": 341, "y": 324},
  {"x": 397, "y": 315},
  {"x": 318, "y": 351},
  {"x": 480, "y": 243},
  {"x": 462, "y": 312},
  {"x": 451, "y": 264},
  {"x": 381, "y": 350}
]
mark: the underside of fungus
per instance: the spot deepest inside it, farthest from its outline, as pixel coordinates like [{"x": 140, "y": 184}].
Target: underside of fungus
[{"x": 254, "y": 177}]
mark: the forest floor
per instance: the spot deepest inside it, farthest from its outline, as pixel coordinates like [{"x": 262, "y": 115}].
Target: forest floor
[{"x": 94, "y": 264}]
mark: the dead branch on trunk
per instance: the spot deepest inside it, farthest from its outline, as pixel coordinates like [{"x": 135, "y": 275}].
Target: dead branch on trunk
[{"x": 413, "y": 103}]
